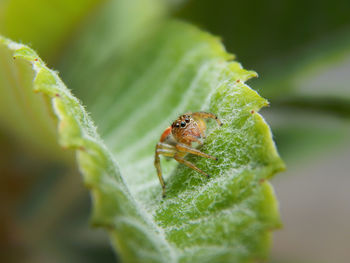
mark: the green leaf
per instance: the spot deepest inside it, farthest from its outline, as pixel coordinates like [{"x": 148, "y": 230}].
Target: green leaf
[{"x": 176, "y": 68}]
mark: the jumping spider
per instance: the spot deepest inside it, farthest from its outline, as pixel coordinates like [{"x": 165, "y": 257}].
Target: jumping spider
[{"x": 176, "y": 141}]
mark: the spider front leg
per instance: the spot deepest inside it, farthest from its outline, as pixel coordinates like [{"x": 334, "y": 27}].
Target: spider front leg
[
  {"x": 159, "y": 172},
  {"x": 177, "y": 152},
  {"x": 178, "y": 157},
  {"x": 187, "y": 149},
  {"x": 206, "y": 115},
  {"x": 183, "y": 149},
  {"x": 166, "y": 150}
]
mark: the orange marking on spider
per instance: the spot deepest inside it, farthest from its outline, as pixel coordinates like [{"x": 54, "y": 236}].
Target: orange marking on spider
[
  {"x": 176, "y": 141},
  {"x": 165, "y": 134}
]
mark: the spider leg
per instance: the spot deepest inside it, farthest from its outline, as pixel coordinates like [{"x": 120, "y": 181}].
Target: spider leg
[
  {"x": 166, "y": 150},
  {"x": 206, "y": 115},
  {"x": 180, "y": 159},
  {"x": 187, "y": 149},
  {"x": 162, "y": 145},
  {"x": 195, "y": 139}
]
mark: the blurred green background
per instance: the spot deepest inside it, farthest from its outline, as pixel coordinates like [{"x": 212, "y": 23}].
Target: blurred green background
[{"x": 301, "y": 51}]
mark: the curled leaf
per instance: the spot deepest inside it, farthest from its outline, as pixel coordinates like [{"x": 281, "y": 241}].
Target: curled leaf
[{"x": 227, "y": 218}]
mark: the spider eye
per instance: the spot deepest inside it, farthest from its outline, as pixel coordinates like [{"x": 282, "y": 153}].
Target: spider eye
[
  {"x": 177, "y": 125},
  {"x": 183, "y": 124},
  {"x": 187, "y": 120}
]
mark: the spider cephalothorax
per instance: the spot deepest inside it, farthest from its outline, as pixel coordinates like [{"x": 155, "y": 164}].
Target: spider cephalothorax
[
  {"x": 176, "y": 141},
  {"x": 186, "y": 130}
]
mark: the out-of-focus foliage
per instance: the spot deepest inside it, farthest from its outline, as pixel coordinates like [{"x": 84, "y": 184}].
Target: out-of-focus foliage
[
  {"x": 311, "y": 99},
  {"x": 260, "y": 32},
  {"x": 45, "y": 25}
]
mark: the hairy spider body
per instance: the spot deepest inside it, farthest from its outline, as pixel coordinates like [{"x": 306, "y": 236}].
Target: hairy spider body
[{"x": 176, "y": 141}]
